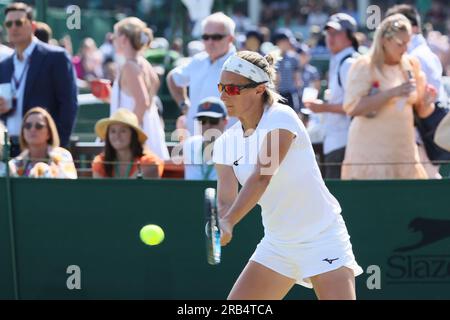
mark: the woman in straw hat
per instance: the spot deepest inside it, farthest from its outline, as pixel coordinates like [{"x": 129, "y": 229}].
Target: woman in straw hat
[
  {"x": 41, "y": 154},
  {"x": 124, "y": 155}
]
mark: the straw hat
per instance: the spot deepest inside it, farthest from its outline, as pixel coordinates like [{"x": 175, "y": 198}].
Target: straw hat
[
  {"x": 122, "y": 116},
  {"x": 442, "y": 135}
]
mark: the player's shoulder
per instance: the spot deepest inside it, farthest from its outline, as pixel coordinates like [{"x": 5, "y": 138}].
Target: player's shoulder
[{"x": 281, "y": 110}]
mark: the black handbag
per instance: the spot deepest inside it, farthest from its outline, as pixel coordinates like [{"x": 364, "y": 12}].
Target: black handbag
[{"x": 427, "y": 128}]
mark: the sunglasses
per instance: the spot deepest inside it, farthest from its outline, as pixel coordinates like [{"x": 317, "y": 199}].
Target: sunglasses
[
  {"x": 19, "y": 23},
  {"x": 211, "y": 121},
  {"x": 37, "y": 125},
  {"x": 215, "y": 37},
  {"x": 235, "y": 90}
]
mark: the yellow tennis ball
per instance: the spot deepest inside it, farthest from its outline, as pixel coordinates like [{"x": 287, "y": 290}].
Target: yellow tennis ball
[{"x": 152, "y": 234}]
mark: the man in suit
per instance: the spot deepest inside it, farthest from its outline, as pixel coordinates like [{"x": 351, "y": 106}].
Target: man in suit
[{"x": 39, "y": 75}]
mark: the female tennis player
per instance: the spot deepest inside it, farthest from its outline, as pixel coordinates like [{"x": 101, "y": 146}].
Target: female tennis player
[{"x": 269, "y": 153}]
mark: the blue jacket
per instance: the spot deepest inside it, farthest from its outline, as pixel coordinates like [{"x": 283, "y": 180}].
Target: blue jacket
[{"x": 51, "y": 84}]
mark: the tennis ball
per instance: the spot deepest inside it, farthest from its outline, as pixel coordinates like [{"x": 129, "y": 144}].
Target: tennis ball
[{"x": 152, "y": 234}]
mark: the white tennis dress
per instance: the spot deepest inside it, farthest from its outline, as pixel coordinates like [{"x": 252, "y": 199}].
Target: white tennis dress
[
  {"x": 304, "y": 233},
  {"x": 152, "y": 126}
]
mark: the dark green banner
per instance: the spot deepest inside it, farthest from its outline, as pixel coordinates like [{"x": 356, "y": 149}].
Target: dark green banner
[{"x": 80, "y": 240}]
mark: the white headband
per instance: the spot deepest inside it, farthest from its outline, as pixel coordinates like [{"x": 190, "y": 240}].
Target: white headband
[{"x": 246, "y": 69}]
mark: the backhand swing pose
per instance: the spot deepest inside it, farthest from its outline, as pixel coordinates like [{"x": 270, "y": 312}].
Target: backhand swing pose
[{"x": 269, "y": 153}]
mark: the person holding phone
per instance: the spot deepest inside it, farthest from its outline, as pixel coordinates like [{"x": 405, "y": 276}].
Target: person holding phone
[{"x": 382, "y": 141}]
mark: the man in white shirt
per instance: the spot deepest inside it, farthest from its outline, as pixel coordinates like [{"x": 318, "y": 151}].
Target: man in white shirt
[
  {"x": 202, "y": 74},
  {"x": 197, "y": 150},
  {"x": 342, "y": 43}
]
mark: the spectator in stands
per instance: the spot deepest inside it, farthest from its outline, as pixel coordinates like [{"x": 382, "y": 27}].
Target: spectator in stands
[
  {"x": 387, "y": 86},
  {"x": 309, "y": 75},
  {"x": 202, "y": 74},
  {"x": 288, "y": 77},
  {"x": 110, "y": 70},
  {"x": 253, "y": 40},
  {"x": 430, "y": 65},
  {"x": 418, "y": 47},
  {"x": 243, "y": 23},
  {"x": 124, "y": 155},
  {"x": 107, "y": 48},
  {"x": 137, "y": 82},
  {"x": 66, "y": 43},
  {"x": 341, "y": 41},
  {"x": 197, "y": 150},
  {"x": 43, "y": 32},
  {"x": 437, "y": 15},
  {"x": 317, "y": 16},
  {"x": 41, "y": 155},
  {"x": 46, "y": 72},
  {"x": 88, "y": 63}
]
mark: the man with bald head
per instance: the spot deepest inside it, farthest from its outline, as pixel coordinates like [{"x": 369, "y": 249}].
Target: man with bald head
[{"x": 202, "y": 74}]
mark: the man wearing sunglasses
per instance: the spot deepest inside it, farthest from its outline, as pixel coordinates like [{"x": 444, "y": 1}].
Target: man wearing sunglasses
[
  {"x": 38, "y": 74},
  {"x": 197, "y": 150},
  {"x": 202, "y": 74}
]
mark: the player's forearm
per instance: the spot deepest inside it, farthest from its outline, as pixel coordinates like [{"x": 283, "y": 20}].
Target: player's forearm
[{"x": 248, "y": 197}]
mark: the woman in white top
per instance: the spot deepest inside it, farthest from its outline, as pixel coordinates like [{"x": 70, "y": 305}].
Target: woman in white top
[
  {"x": 137, "y": 82},
  {"x": 269, "y": 153}
]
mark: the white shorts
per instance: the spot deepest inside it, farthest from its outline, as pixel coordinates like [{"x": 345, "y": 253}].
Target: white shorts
[{"x": 329, "y": 250}]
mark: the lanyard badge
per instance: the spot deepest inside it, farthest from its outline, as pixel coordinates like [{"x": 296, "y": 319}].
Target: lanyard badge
[{"x": 15, "y": 85}]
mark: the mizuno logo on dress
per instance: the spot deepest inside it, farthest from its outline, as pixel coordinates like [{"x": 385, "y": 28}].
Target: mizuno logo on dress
[{"x": 330, "y": 261}]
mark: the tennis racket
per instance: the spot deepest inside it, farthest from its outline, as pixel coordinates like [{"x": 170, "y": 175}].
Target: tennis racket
[{"x": 213, "y": 249}]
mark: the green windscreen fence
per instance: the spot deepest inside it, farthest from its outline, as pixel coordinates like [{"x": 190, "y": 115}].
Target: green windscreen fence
[{"x": 86, "y": 233}]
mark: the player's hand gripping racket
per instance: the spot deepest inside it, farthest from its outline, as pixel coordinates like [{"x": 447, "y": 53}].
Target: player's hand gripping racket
[{"x": 213, "y": 249}]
